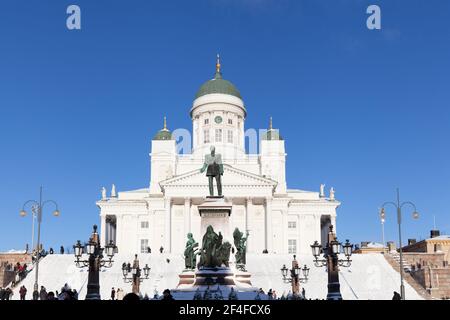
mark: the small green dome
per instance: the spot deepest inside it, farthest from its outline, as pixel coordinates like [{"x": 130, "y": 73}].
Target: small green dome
[
  {"x": 164, "y": 133},
  {"x": 218, "y": 85}
]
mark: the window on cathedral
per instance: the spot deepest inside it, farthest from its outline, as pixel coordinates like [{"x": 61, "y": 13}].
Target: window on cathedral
[
  {"x": 206, "y": 136},
  {"x": 292, "y": 246},
  {"x": 230, "y": 136},
  {"x": 292, "y": 224},
  {"x": 144, "y": 224},
  {"x": 206, "y": 121},
  {"x": 218, "y": 135},
  {"x": 144, "y": 245},
  {"x": 230, "y": 121}
]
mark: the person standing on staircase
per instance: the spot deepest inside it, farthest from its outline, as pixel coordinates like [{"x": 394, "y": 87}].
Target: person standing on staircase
[
  {"x": 396, "y": 296},
  {"x": 22, "y": 292},
  {"x": 8, "y": 293},
  {"x": 43, "y": 294}
]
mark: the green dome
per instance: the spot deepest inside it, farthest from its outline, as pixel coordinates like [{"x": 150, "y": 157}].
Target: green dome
[
  {"x": 163, "y": 135},
  {"x": 218, "y": 85}
]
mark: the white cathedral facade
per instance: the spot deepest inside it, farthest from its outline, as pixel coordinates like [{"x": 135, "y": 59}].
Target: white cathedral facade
[{"x": 279, "y": 220}]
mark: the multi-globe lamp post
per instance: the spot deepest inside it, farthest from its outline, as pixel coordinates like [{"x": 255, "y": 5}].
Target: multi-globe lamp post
[
  {"x": 94, "y": 262},
  {"x": 295, "y": 275},
  {"x": 332, "y": 262},
  {"x": 398, "y": 206},
  {"x": 136, "y": 273},
  {"x": 37, "y": 212}
]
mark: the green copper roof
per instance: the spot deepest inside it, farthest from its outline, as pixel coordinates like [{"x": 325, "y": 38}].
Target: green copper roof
[
  {"x": 272, "y": 134},
  {"x": 164, "y": 133},
  {"x": 218, "y": 85}
]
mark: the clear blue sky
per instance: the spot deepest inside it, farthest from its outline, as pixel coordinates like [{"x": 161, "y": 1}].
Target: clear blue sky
[{"x": 363, "y": 111}]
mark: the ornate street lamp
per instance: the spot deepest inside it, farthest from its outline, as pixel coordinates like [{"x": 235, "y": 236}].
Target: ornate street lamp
[
  {"x": 94, "y": 262},
  {"x": 398, "y": 206},
  {"x": 135, "y": 271},
  {"x": 37, "y": 212},
  {"x": 295, "y": 277},
  {"x": 383, "y": 220},
  {"x": 332, "y": 262}
]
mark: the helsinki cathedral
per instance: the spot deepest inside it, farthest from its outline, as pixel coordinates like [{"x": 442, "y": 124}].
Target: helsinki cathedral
[{"x": 279, "y": 220}]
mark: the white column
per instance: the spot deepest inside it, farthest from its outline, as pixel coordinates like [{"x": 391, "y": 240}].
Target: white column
[
  {"x": 268, "y": 225},
  {"x": 318, "y": 230},
  {"x": 333, "y": 222},
  {"x": 103, "y": 229},
  {"x": 187, "y": 216},
  {"x": 248, "y": 211},
  {"x": 284, "y": 229},
  {"x": 194, "y": 133},
  {"x": 247, "y": 208},
  {"x": 119, "y": 231},
  {"x": 168, "y": 225}
]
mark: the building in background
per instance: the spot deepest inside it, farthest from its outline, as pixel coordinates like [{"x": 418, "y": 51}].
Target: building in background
[{"x": 279, "y": 220}]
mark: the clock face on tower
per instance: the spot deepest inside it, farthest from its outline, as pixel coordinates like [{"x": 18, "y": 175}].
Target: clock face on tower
[{"x": 218, "y": 119}]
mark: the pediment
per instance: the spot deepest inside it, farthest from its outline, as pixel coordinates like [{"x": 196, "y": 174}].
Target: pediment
[{"x": 232, "y": 177}]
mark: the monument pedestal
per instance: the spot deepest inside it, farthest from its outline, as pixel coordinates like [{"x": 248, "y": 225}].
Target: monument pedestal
[
  {"x": 215, "y": 211},
  {"x": 214, "y": 276},
  {"x": 215, "y": 280},
  {"x": 187, "y": 277}
]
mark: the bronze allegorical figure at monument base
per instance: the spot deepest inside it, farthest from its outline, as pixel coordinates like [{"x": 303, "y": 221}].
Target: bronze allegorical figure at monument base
[{"x": 214, "y": 253}]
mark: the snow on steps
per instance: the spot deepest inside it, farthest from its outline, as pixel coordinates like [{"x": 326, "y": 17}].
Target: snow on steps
[
  {"x": 393, "y": 259},
  {"x": 370, "y": 277}
]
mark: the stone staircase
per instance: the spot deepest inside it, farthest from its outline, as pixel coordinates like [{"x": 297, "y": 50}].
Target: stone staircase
[
  {"x": 393, "y": 258},
  {"x": 406, "y": 264}
]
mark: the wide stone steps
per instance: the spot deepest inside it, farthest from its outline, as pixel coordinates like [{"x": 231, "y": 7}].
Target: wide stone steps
[{"x": 394, "y": 260}]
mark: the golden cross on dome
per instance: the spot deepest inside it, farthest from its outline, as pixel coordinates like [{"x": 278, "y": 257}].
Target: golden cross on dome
[{"x": 218, "y": 64}]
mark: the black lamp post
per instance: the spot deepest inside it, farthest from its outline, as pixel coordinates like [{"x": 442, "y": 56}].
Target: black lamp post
[
  {"x": 37, "y": 211},
  {"x": 332, "y": 262},
  {"x": 295, "y": 278},
  {"x": 136, "y": 272},
  {"x": 95, "y": 262},
  {"x": 398, "y": 206}
]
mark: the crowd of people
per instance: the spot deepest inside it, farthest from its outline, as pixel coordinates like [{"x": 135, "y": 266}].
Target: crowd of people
[
  {"x": 5, "y": 293},
  {"x": 66, "y": 293},
  {"x": 20, "y": 271},
  {"x": 71, "y": 294}
]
